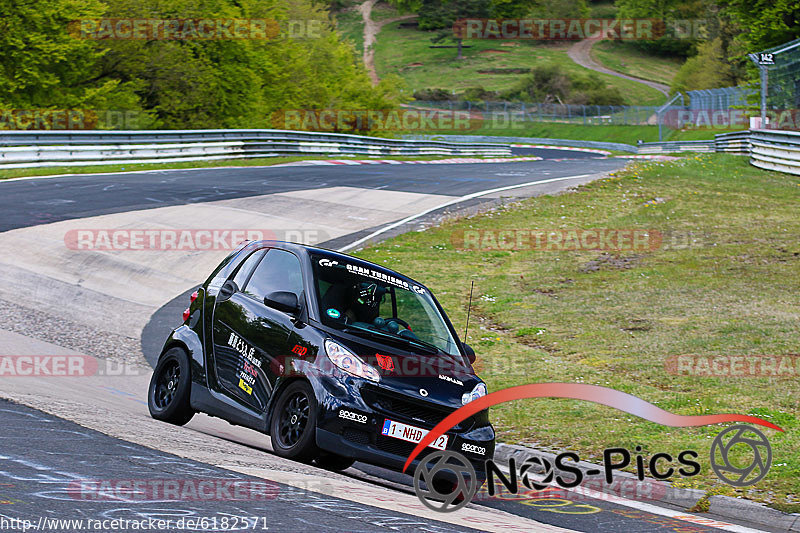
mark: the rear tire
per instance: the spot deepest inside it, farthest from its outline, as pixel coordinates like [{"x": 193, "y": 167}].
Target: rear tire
[
  {"x": 293, "y": 427},
  {"x": 168, "y": 394}
]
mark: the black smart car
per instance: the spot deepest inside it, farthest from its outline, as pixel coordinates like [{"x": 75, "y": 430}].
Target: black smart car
[{"x": 337, "y": 359}]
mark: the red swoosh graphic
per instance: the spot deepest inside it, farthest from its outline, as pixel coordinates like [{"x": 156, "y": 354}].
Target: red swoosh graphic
[{"x": 579, "y": 391}]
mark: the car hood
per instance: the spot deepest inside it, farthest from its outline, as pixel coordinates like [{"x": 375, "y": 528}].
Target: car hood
[{"x": 441, "y": 379}]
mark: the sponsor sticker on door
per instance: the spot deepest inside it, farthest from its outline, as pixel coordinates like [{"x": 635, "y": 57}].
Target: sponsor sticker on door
[{"x": 245, "y": 387}]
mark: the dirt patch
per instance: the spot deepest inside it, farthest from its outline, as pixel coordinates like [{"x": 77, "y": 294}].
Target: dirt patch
[
  {"x": 580, "y": 53},
  {"x": 414, "y": 65},
  {"x": 504, "y": 71},
  {"x": 609, "y": 262},
  {"x": 509, "y": 44},
  {"x": 636, "y": 324},
  {"x": 546, "y": 292},
  {"x": 493, "y": 51},
  {"x": 371, "y": 30}
]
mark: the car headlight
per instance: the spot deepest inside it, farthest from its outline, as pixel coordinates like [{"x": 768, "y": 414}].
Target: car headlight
[
  {"x": 349, "y": 362},
  {"x": 477, "y": 392}
]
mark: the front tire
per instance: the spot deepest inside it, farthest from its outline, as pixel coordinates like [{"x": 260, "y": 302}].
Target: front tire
[
  {"x": 293, "y": 427},
  {"x": 168, "y": 394}
]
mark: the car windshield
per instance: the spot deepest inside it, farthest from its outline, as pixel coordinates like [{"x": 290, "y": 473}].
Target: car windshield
[{"x": 373, "y": 303}]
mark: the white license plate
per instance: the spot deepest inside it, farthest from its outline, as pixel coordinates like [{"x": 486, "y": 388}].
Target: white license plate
[{"x": 411, "y": 433}]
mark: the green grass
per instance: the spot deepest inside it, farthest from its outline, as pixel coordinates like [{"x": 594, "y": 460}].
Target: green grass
[
  {"x": 351, "y": 26},
  {"x": 627, "y": 59},
  {"x": 407, "y": 52},
  {"x": 723, "y": 283},
  {"x": 267, "y": 161},
  {"x": 609, "y": 133},
  {"x": 384, "y": 11}
]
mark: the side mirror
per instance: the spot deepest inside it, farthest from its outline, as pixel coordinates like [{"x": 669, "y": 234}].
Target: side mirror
[
  {"x": 283, "y": 301},
  {"x": 469, "y": 351},
  {"x": 228, "y": 289}
]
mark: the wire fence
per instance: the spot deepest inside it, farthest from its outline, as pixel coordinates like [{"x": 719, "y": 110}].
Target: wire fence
[
  {"x": 497, "y": 112},
  {"x": 723, "y": 98},
  {"x": 784, "y": 76},
  {"x": 727, "y": 108}
]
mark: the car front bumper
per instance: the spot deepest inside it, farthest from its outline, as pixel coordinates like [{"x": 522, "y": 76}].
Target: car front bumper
[{"x": 348, "y": 424}]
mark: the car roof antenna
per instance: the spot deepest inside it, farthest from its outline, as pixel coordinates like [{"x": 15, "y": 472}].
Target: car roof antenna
[{"x": 469, "y": 307}]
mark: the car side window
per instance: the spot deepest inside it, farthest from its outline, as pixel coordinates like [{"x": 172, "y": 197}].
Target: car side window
[
  {"x": 279, "y": 271},
  {"x": 247, "y": 268}
]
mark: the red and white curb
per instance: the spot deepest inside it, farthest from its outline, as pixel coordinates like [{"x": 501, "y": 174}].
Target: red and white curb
[
  {"x": 394, "y": 162},
  {"x": 568, "y": 148}
]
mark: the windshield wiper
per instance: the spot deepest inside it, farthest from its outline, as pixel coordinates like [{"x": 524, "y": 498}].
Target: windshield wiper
[{"x": 375, "y": 334}]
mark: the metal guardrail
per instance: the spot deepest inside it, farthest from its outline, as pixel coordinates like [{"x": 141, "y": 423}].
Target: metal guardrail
[
  {"x": 736, "y": 142},
  {"x": 676, "y": 146},
  {"x": 775, "y": 150},
  {"x": 527, "y": 140},
  {"x": 769, "y": 149},
  {"x": 26, "y": 149}
]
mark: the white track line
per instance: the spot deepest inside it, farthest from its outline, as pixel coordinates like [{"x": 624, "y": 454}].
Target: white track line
[
  {"x": 586, "y": 492},
  {"x": 454, "y": 201}
]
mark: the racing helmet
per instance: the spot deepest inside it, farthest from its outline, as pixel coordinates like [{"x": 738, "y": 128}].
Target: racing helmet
[{"x": 365, "y": 300}]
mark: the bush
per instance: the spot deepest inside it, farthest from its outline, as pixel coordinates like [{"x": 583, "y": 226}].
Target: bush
[
  {"x": 434, "y": 95},
  {"x": 479, "y": 93},
  {"x": 551, "y": 83}
]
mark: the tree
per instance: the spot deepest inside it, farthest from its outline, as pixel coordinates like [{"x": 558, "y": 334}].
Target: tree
[
  {"x": 709, "y": 69},
  {"x": 764, "y": 23},
  {"x": 43, "y": 66},
  {"x": 182, "y": 83}
]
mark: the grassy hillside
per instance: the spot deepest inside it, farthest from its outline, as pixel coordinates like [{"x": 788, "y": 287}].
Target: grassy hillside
[
  {"x": 350, "y": 26},
  {"x": 627, "y": 59},
  {"x": 720, "y": 284},
  {"x": 406, "y": 51}
]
